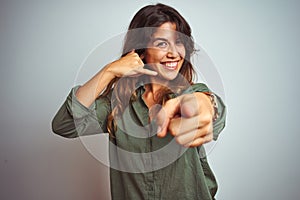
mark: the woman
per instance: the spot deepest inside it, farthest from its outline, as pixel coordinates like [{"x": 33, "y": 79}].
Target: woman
[{"x": 156, "y": 116}]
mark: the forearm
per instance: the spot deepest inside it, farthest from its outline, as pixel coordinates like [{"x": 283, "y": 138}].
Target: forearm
[{"x": 88, "y": 92}]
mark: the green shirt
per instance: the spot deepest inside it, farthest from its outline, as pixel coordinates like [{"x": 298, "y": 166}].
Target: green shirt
[{"x": 143, "y": 166}]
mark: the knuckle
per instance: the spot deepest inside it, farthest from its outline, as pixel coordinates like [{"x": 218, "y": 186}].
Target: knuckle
[
  {"x": 136, "y": 62},
  {"x": 196, "y": 134},
  {"x": 187, "y": 97},
  {"x": 179, "y": 140},
  {"x": 173, "y": 130},
  {"x": 169, "y": 103},
  {"x": 207, "y": 130},
  {"x": 196, "y": 143},
  {"x": 206, "y": 119},
  {"x": 209, "y": 138}
]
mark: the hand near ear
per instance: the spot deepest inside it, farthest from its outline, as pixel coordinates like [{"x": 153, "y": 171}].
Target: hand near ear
[{"x": 130, "y": 65}]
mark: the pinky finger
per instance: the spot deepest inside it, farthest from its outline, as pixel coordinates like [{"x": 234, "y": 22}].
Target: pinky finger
[{"x": 147, "y": 72}]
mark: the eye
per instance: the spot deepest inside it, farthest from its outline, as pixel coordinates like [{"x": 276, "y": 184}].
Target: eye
[
  {"x": 179, "y": 42},
  {"x": 161, "y": 44}
]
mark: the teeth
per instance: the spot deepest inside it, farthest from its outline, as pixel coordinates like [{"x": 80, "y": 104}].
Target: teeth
[{"x": 171, "y": 64}]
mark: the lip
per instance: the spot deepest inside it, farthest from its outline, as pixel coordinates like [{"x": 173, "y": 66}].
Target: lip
[{"x": 170, "y": 65}]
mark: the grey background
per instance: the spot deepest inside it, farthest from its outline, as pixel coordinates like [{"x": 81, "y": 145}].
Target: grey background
[{"x": 254, "y": 45}]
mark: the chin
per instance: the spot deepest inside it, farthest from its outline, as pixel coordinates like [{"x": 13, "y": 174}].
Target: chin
[{"x": 168, "y": 77}]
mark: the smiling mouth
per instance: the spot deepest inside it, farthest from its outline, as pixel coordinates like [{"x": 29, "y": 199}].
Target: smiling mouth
[{"x": 170, "y": 65}]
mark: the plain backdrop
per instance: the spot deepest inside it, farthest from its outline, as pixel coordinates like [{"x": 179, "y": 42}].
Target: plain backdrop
[{"x": 255, "y": 48}]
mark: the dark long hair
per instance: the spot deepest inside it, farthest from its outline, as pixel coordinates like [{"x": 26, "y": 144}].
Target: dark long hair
[{"x": 142, "y": 26}]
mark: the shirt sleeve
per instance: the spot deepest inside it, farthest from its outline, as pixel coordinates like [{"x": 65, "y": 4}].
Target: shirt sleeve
[
  {"x": 219, "y": 123},
  {"x": 74, "y": 119}
]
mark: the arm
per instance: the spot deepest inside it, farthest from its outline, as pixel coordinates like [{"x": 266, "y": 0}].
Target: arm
[
  {"x": 77, "y": 116},
  {"x": 74, "y": 119},
  {"x": 194, "y": 127},
  {"x": 129, "y": 65}
]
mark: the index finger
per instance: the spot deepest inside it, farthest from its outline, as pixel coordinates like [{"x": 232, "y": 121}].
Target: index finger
[
  {"x": 184, "y": 106},
  {"x": 167, "y": 112}
]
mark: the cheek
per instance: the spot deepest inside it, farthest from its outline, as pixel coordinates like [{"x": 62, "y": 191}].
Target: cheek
[
  {"x": 182, "y": 52},
  {"x": 154, "y": 56}
]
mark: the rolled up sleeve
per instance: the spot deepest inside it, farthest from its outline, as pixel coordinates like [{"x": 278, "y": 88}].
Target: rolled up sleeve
[{"x": 74, "y": 119}]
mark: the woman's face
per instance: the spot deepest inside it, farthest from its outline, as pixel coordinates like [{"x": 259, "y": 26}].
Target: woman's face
[{"x": 165, "y": 52}]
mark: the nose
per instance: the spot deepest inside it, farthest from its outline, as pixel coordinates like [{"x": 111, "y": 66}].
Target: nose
[{"x": 172, "y": 52}]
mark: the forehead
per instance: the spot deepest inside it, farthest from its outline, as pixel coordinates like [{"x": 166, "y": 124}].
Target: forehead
[
  {"x": 166, "y": 30},
  {"x": 168, "y": 26}
]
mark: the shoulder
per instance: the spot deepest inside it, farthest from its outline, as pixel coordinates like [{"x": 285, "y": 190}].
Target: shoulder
[{"x": 196, "y": 87}]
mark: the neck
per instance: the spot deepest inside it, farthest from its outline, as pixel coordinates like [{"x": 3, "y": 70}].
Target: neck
[
  {"x": 152, "y": 91},
  {"x": 156, "y": 84}
]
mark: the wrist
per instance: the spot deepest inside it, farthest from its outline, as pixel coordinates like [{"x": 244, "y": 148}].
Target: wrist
[
  {"x": 214, "y": 104},
  {"x": 109, "y": 70}
]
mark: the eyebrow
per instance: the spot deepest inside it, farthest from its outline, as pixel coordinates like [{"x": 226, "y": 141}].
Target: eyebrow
[{"x": 158, "y": 38}]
